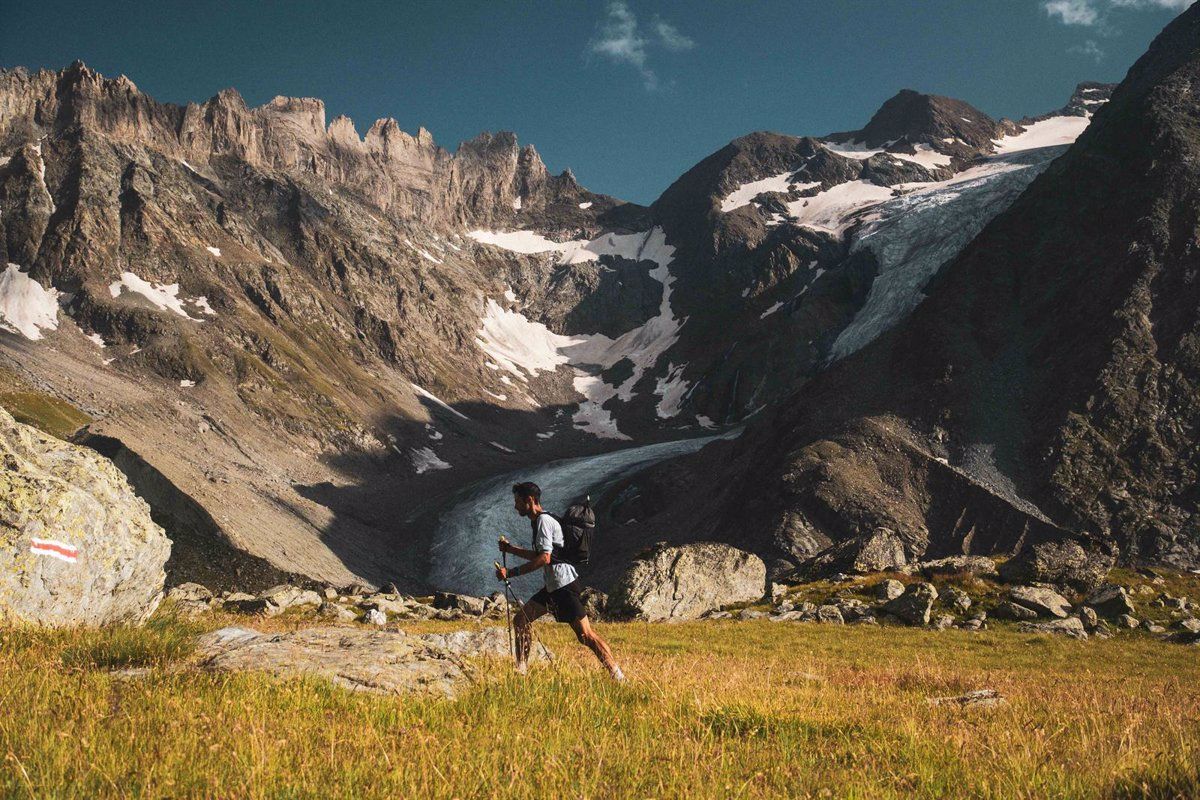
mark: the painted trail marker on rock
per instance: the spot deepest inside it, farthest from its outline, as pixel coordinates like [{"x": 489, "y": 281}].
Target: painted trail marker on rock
[{"x": 55, "y": 549}]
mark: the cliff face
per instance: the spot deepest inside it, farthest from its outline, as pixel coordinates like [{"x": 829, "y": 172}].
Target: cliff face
[
  {"x": 1048, "y": 386},
  {"x": 261, "y": 308},
  {"x": 405, "y": 175}
]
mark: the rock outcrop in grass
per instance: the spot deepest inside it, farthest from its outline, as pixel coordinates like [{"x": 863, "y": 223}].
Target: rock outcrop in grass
[{"x": 77, "y": 546}]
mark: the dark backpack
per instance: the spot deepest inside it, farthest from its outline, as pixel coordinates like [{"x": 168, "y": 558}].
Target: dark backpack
[{"x": 577, "y": 524}]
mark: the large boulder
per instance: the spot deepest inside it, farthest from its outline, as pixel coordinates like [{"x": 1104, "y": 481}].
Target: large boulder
[
  {"x": 880, "y": 550},
  {"x": 1043, "y": 602},
  {"x": 1070, "y": 626},
  {"x": 686, "y": 581},
  {"x": 1080, "y": 564},
  {"x": 362, "y": 659},
  {"x": 1111, "y": 601},
  {"x": 914, "y": 605},
  {"x": 77, "y": 546}
]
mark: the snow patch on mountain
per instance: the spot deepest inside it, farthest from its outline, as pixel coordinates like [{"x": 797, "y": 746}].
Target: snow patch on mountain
[
  {"x": 746, "y": 192},
  {"x": 926, "y": 156},
  {"x": 520, "y": 345},
  {"x": 673, "y": 390},
  {"x": 437, "y": 401},
  {"x": 26, "y": 307},
  {"x": 1050, "y": 132},
  {"x": 574, "y": 251},
  {"x": 524, "y": 347},
  {"x": 856, "y": 150},
  {"x": 424, "y": 460},
  {"x": 163, "y": 296},
  {"x": 770, "y": 311},
  {"x": 836, "y": 208}
]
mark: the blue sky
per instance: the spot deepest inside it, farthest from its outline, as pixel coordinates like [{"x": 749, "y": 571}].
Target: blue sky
[{"x": 629, "y": 94}]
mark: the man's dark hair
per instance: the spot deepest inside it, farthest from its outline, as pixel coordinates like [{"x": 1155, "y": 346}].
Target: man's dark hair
[{"x": 528, "y": 489}]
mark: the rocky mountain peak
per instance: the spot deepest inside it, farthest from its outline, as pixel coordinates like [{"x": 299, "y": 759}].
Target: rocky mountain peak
[{"x": 915, "y": 117}]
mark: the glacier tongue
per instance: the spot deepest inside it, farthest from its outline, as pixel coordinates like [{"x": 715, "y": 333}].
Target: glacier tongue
[{"x": 912, "y": 236}]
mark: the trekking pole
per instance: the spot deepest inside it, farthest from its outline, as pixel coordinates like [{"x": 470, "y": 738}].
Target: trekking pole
[{"x": 512, "y": 649}]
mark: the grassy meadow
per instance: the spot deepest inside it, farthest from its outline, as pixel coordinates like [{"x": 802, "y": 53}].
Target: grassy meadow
[{"x": 713, "y": 709}]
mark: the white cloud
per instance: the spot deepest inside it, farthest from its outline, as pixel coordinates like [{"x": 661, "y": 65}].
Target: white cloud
[
  {"x": 670, "y": 36},
  {"x": 1073, "y": 12},
  {"x": 1089, "y": 49},
  {"x": 620, "y": 39},
  {"x": 1091, "y": 13}
]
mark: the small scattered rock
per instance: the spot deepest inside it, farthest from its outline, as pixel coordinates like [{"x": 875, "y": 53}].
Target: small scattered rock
[
  {"x": 254, "y": 605},
  {"x": 462, "y": 602},
  {"x": 1153, "y": 627},
  {"x": 190, "y": 593},
  {"x": 1011, "y": 611},
  {"x": 980, "y": 698},
  {"x": 914, "y": 605},
  {"x": 954, "y": 565},
  {"x": 1087, "y": 615},
  {"x": 285, "y": 596},
  {"x": 942, "y": 622},
  {"x": 1110, "y": 601},
  {"x": 956, "y": 599},
  {"x": 751, "y": 613},
  {"x": 831, "y": 614},
  {"x": 1128, "y": 621},
  {"x": 1044, "y": 602},
  {"x": 336, "y": 612},
  {"x": 1069, "y": 626},
  {"x": 888, "y": 589}
]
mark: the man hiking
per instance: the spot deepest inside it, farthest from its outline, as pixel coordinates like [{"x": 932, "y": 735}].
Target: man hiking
[{"x": 561, "y": 592}]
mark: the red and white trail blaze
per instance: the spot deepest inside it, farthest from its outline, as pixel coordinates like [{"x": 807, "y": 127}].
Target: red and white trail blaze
[{"x": 55, "y": 549}]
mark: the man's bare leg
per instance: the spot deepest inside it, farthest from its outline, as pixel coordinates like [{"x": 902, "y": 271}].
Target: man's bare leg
[
  {"x": 523, "y": 623},
  {"x": 587, "y": 636}
]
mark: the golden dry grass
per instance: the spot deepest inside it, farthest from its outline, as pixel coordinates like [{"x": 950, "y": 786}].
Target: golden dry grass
[{"x": 714, "y": 709}]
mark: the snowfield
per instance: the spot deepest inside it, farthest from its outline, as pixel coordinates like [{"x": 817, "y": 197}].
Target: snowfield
[
  {"x": 913, "y": 235},
  {"x": 834, "y": 210},
  {"x": 163, "y": 296},
  {"x": 424, "y": 460},
  {"x": 524, "y": 347},
  {"x": 742, "y": 195},
  {"x": 1052, "y": 132},
  {"x": 26, "y": 307}
]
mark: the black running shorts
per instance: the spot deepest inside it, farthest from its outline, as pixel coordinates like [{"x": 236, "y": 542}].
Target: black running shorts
[{"x": 564, "y": 603}]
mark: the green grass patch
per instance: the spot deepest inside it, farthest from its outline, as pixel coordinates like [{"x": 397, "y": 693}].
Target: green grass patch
[
  {"x": 716, "y": 709},
  {"x": 44, "y": 412}
]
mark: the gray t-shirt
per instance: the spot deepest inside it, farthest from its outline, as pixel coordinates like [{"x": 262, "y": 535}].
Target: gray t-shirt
[{"x": 547, "y": 533}]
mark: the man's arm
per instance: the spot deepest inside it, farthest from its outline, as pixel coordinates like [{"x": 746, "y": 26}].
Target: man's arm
[
  {"x": 535, "y": 563},
  {"x": 520, "y": 552}
]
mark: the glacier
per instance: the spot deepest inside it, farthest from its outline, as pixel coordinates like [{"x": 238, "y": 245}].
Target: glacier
[{"x": 913, "y": 235}]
